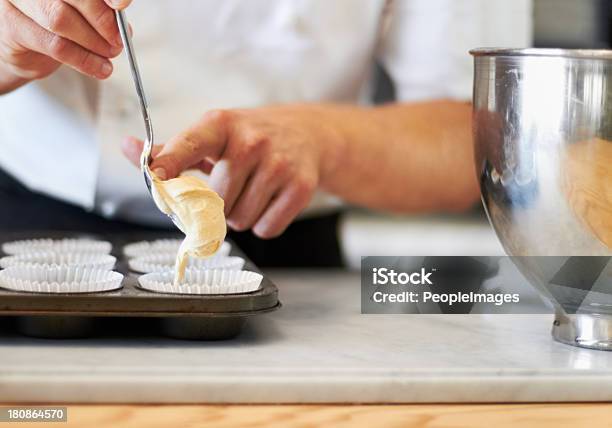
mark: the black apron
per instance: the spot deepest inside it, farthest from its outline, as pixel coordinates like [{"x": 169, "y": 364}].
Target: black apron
[{"x": 310, "y": 242}]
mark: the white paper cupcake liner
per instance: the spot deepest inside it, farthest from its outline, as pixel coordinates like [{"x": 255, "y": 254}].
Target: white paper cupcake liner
[
  {"x": 163, "y": 262},
  {"x": 203, "y": 282},
  {"x": 50, "y": 259},
  {"x": 167, "y": 247},
  {"x": 59, "y": 279},
  {"x": 57, "y": 246}
]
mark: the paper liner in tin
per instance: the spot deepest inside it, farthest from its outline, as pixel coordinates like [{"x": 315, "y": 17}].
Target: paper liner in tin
[
  {"x": 203, "y": 282},
  {"x": 163, "y": 262},
  {"x": 50, "y": 259},
  {"x": 165, "y": 247},
  {"x": 59, "y": 279},
  {"x": 57, "y": 246}
]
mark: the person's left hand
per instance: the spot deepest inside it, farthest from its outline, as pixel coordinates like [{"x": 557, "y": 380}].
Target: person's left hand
[{"x": 265, "y": 163}]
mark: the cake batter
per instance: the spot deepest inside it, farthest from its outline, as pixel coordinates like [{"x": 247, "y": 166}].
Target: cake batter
[{"x": 198, "y": 210}]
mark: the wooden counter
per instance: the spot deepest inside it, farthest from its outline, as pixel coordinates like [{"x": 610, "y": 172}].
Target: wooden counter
[{"x": 282, "y": 416}]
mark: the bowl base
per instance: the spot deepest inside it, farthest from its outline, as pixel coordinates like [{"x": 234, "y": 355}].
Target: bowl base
[{"x": 592, "y": 331}]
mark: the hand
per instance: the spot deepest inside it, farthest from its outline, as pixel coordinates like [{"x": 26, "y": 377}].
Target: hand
[
  {"x": 37, "y": 36},
  {"x": 265, "y": 163}
]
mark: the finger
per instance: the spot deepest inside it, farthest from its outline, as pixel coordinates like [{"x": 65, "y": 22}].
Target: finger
[
  {"x": 62, "y": 19},
  {"x": 255, "y": 197},
  {"x": 207, "y": 139},
  {"x": 30, "y": 65},
  {"x": 118, "y": 4},
  {"x": 131, "y": 148},
  {"x": 101, "y": 17},
  {"x": 283, "y": 210},
  {"x": 36, "y": 38},
  {"x": 206, "y": 166},
  {"x": 228, "y": 178}
]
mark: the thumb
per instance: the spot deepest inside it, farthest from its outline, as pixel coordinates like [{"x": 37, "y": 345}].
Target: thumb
[
  {"x": 118, "y": 4},
  {"x": 207, "y": 139}
]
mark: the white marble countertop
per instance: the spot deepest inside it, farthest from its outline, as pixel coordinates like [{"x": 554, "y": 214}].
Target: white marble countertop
[
  {"x": 439, "y": 235},
  {"x": 317, "y": 348}
]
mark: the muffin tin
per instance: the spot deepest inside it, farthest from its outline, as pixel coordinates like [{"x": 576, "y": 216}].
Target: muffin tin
[{"x": 183, "y": 316}]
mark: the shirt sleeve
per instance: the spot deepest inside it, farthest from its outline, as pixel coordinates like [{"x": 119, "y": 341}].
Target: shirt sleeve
[{"x": 425, "y": 43}]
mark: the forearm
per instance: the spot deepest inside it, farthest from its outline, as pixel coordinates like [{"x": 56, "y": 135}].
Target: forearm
[{"x": 404, "y": 157}]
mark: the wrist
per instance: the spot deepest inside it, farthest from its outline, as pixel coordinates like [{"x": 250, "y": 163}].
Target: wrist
[{"x": 332, "y": 140}]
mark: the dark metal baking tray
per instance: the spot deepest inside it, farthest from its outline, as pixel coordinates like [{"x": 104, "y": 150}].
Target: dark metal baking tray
[{"x": 209, "y": 317}]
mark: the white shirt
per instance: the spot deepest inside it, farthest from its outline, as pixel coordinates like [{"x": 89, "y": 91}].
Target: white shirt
[{"x": 61, "y": 136}]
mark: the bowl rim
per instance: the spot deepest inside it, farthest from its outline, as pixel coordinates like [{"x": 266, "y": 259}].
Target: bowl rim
[{"x": 543, "y": 52}]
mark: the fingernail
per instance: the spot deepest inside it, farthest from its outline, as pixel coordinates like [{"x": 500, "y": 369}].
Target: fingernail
[
  {"x": 160, "y": 173},
  {"x": 106, "y": 69},
  {"x": 233, "y": 225},
  {"x": 261, "y": 231}
]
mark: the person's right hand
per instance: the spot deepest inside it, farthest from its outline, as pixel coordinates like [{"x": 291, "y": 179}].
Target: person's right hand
[{"x": 37, "y": 36}]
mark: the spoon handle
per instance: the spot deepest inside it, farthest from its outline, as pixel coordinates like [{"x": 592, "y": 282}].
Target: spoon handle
[{"x": 145, "y": 158}]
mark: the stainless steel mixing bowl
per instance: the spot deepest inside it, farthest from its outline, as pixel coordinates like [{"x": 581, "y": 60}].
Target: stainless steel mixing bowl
[{"x": 543, "y": 147}]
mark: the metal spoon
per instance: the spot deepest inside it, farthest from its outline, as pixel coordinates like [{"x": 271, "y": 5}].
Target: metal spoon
[{"x": 145, "y": 157}]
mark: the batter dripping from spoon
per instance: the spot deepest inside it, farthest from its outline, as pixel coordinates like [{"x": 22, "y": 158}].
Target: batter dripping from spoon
[{"x": 199, "y": 213}]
